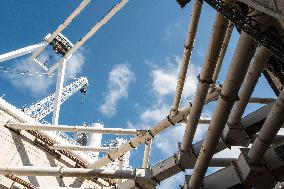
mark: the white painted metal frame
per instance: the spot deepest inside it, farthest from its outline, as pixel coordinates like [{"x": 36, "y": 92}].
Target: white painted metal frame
[
  {"x": 45, "y": 106},
  {"x": 77, "y": 129},
  {"x": 21, "y": 52},
  {"x": 91, "y": 32},
  {"x": 81, "y": 148}
]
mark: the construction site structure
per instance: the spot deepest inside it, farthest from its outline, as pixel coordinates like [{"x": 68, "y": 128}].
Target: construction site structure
[
  {"x": 38, "y": 158},
  {"x": 45, "y": 106}
]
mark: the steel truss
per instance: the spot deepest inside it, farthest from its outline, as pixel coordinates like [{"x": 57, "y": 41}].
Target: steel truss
[{"x": 245, "y": 22}]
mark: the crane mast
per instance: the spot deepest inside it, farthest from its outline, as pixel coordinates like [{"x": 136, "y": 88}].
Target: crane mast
[{"x": 45, "y": 106}]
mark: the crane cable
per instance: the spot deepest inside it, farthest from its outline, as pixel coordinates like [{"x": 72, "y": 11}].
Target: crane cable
[{"x": 29, "y": 73}]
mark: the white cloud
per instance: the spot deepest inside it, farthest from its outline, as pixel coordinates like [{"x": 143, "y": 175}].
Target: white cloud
[
  {"x": 75, "y": 64},
  {"x": 34, "y": 80},
  {"x": 167, "y": 142},
  {"x": 165, "y": 78},
  {"x": 164, "y": 81},
  {"x": 118, "y": 82},
  {"x": 171, "y": 137},
  {"x": 173, "y": 31},
  {"x": 155, "y": 114}
]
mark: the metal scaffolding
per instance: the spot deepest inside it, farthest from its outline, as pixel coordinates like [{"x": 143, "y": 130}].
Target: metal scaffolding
[{"x": 260, "y": 49}]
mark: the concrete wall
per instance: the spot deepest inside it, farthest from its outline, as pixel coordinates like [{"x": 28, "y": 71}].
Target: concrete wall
[{"x": 19, "y": 150}]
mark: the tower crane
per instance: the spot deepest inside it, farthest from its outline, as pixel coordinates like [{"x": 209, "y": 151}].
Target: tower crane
[{"x": 45, "y": 106}]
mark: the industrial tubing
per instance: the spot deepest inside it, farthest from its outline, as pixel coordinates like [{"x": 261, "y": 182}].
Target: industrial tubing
[
  {"x": 229, "y": 94},
  {"x": 186, "y": 54},
  {"x": 267, "y": 133},
  {"x": 205, "y": 79}
]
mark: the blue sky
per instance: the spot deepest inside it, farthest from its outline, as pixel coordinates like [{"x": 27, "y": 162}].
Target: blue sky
[{"x": 131, "y": 63}]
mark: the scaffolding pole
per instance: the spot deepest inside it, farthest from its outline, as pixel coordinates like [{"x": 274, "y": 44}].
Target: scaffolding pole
[
  {"x": 146, "y": 154},
  {"x": 62, "y": 26},
  {"x": 186, "y": 54},
  {"x": 254, "y": 72},
  {"x": 261, "y": 100},
  {"x": 20, "y": 52},
  {"x": 81, "y": 148},
  {"x": 140, "y": 139},
  {"x": 229, "y": 94},
  {"x": 78, "y": 129},
  {"x": 58, "y": 92},
  {"x": 269, "y": 130},
  {"x": 205, "y": 79},
  {"x": 71, "y": 172}
]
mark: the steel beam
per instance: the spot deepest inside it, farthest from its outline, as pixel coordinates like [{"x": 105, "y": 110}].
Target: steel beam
[
  {"x": 261, "y": 100},
  {"x": 176, "y": 164},
  {"x": 58, "y": 92},
  {"x": 205, "y": 79},
  {"x": 186, "y": 54},
  {"x": 73, "y": 172},
  {"x": 150, "y": 134},
  {"x": 271, "y": 126},
  {"x": 229, "y": 94},
  {"x": 146, "y": 154},
  {"x": 81, "y": 148},
  {"x": 137, "y": 141},
  {"x": 62, "y": 26},
  {"x": 273, "y": 81},
  {"x": 274, "y": 8},
  {"x": 223, "y": 51},
  {"x": 254, "y": 72},
  {"x": 20, "y": 52},
  {"x": 245, "y": 174},
  {"x": 78, "y": 129},
  {"x": 91, "y": 32}
]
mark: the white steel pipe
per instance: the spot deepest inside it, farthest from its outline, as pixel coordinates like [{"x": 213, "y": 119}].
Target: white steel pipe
[
  {"x": 91, "y": 32},
  {"x": 140, "y": 139},
  {"x": 223, "y": 51},
  {"x": 69, "y": 19},
  {"x": 215, "y": 91},
  {"x": 68, "y": 172},
  {"x": 146, "y": 154},
  {"x": 254, "y": 72},
  {"x": 62, "y": 26},
  {"x": 186, "y": 54},
  {"x": 137, "y": 141},
  {"x": 81, "y": 148},
  {"x": 213, "y": 94},
  {"x": 204, "y": 120},
  {"x": 201, "y": 120},
  {"x": 58, "y": 92},
  {"x": 271, "y": 126},
  {"x": 242, "y": 56},
  {"x": 205, "y": 79},
  {"x": 78, "y": 129},
  {"x": 20, "y": 52},
  {"x": 39, "y": 64}
]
